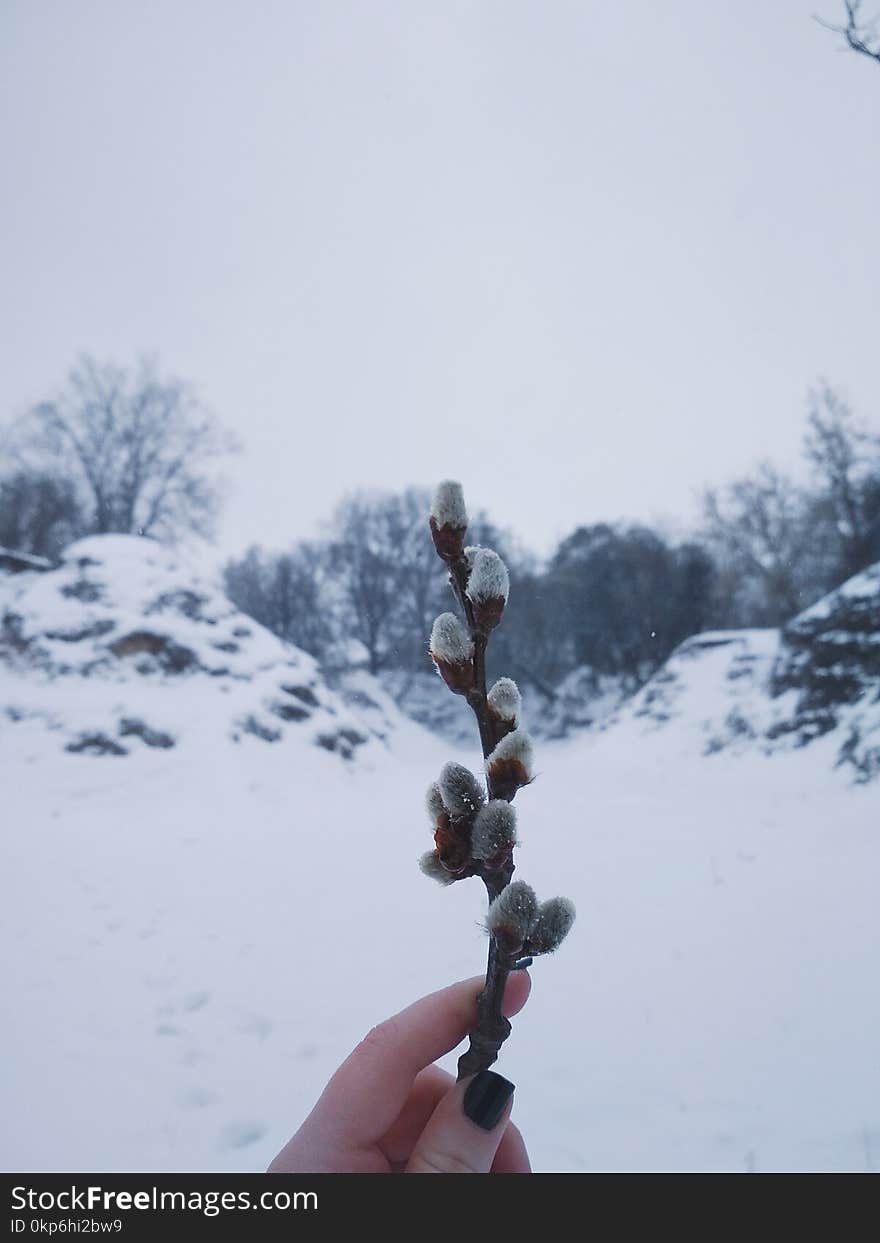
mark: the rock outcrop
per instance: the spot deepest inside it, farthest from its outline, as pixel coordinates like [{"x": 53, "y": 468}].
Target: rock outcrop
[
  {"x": 817, "y": 678},
  {"x": 829, "y": 669}
]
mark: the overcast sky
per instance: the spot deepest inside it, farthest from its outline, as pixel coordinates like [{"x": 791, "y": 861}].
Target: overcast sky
[{"x": 584, "y": 256}]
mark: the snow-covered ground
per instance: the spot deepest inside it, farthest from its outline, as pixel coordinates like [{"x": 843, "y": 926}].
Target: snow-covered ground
[
  {"x": 172, "y": 922},
  {"x": 195, "y": 934}
]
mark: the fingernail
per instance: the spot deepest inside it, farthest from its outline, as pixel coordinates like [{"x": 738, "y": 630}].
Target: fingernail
[{"x": 485, "y": 1098}]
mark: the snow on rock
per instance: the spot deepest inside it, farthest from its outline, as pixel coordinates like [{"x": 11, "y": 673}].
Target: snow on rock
[
  {"x": 819, "y": 678},
  {"x": 123, "y": 646},
  {"x": 830, "y": 665}
]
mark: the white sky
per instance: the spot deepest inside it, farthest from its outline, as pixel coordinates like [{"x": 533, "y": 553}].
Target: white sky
[{"x": 586, "y": 257}]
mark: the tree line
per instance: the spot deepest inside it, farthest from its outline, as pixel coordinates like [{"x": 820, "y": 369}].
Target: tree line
[
  {"x": 131, "y": 451},
  {"x": 613, "y": 597}
]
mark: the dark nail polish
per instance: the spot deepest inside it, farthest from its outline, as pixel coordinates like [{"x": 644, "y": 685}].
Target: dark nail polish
[{"x": 485, "y": 1098}]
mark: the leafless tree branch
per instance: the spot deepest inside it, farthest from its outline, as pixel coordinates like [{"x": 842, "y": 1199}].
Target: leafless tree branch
[
  {"x": 136, "y": 448},
  {"x": 861, "y": 35}
]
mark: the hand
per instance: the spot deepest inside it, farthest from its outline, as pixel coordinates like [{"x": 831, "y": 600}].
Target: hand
[{"x": 388, "y": 1110}]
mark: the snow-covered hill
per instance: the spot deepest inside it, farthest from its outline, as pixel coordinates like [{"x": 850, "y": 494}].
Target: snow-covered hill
[
  {"x": 819, "y": 678},
  {"x": 123, "y": 647}
]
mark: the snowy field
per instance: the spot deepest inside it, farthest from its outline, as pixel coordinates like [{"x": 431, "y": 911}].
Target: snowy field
[{"x": 172, "y": 921}]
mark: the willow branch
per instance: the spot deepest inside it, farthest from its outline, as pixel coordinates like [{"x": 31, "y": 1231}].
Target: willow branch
[{"x": 491, "y": 1028}]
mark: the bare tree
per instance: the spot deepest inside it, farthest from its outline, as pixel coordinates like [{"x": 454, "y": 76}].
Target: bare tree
[
  {"x": 861, "y": 34},
  {"x": 845, "y": 456},
  {"x": 39, "y": 513},
  {"x": 287, "y": 593},
  {"x": 138, "y": 448},
  {"x": 399, "y": 518},
  {"x": 761, "y": 530},
  {"x": 384, "y": 575},
  {"x": 367, "y": 554}
]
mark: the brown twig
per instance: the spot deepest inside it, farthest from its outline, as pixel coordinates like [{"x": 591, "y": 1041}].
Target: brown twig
[
  {"x": 491, "y": 1028},
  {"x": 473, "y": 837}
]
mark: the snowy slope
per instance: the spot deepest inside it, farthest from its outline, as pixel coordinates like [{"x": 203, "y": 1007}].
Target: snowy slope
[
  {"x": 770, "y": 690},
  {"x": 124, "y": 647},
  {"x": 712, "y": 689}
]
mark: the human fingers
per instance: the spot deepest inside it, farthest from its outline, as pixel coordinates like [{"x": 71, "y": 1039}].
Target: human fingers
[
  {"x": 431, "y": 1085},
  {"x": 370, "y": 1088},
  {"x": 512, "y": 1157},
  {"x": 465, "y": 1130}
]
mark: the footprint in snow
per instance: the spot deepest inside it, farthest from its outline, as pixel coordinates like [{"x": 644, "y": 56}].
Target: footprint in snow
[
  {"x": 158, "y": 981},
  {"x": 240, "y": 1134},
  {"x": 196, "y": 999},
  {"x": 254, "y": 1025},
  {"x": 197, "y": 1098},
  {"x": 190, "y": 1002}
]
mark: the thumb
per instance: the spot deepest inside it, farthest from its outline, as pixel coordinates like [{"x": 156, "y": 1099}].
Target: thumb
[{"x": 464, "y": 1131}]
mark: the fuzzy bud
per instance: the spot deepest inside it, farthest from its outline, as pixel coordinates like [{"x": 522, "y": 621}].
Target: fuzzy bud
[
  {"x": 510, "y": 765},
  {"x": 512, "y": 916},
  {"x": 488, "y": 588},
  {"x": 452, "y": 651},
  {"x": 505, "y": 702},
  {"x": 494, "y": 830},
  {"x": 461, "y": 792},
  {"x": 448, "y": 507},
  {"x": 434, "y": 802},
  {"x": 432, "y": 867},
  {"x": 450, "y": 641},
  {"x": 555, "y": 918},
  {"x": 448, "y": 520},
  {"x": 488, "y": 575},
  {"x": 453, "y": 848}
]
